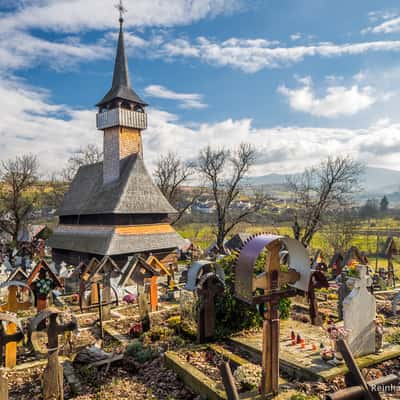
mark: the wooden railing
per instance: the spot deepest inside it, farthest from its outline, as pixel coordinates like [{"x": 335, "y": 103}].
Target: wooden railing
[{"x": 121, "y": 117}]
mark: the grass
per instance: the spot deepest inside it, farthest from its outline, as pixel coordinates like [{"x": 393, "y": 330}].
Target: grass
[{"x": 203, "y": 235}]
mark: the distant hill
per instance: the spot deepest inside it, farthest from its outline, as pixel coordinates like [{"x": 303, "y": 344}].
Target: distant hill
[{"x": 376, "y": 181}]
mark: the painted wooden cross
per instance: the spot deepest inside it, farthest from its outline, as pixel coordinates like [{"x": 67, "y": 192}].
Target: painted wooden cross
[
  {"x": 100, "y": 281},
  {"x": 138, "y": 271},
  {"x": 158, "y": 265},
  {"x": 274, "y": 284},
  {"x": 53, "y": 380},
  {"x": 42, "y": 281},
  {"x": 10, "y": 337},
  {"x": 13, "y": 306}
]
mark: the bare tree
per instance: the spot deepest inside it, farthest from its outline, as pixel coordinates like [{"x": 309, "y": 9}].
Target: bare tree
[
  {"x": 224, "y": 171},
  {"x": 341, "y": 227},
  {"x": 18, "y": 178},
  {"x": 321, "y": 189},
  {"x": 170, "y": 175},
  {"x": 58, "y": 186},
  {"x": 90, "y": 154}
]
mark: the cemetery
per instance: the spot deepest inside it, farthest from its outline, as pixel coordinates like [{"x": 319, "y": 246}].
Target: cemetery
[{"x": 113, "y": 302}]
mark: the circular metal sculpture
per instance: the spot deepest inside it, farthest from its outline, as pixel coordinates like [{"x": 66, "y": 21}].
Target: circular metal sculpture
[
  {"x": 297, "y": 277},
  {"x": 198, "y": 269},
  {"x": 268, "y": 288}
]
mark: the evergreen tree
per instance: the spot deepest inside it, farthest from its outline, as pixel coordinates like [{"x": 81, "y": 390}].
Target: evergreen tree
[{"x": 384, "y": 205}]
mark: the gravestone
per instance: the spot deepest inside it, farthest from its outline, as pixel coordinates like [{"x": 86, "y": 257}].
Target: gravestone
[
  {"x": 359, "y": 313},
  {"x": 210, "y": 285},
  {"x": 395, "y": 302},
  {"x": 343, "y": 292}
]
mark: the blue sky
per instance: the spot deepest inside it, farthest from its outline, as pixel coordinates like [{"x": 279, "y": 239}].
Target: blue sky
[{"x": 300, "y": 79}]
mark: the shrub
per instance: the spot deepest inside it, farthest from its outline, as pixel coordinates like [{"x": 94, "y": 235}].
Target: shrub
[
  {"x": 174, "y": 322},
  {"x": 140, "y": 353},
  {"x": 248, "y": 376},
  {"x": 394, "y": 337},
  {"x": 233, "y": 315}
]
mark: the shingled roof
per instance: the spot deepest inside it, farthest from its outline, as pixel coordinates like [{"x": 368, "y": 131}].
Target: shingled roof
[
  {"x": 133, "y": 193},
  {"x": 121, "y": 86},
  {"x": 105, "y": 240}
]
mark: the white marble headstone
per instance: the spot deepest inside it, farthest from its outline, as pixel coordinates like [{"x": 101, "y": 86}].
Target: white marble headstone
[{"x": 359, "y": 313}]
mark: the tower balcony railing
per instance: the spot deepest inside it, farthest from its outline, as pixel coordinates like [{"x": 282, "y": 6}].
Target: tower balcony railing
[{"x": 121, "y": 117}]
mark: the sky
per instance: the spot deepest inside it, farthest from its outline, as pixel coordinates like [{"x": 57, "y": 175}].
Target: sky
[{"x": 299, "y": 79}]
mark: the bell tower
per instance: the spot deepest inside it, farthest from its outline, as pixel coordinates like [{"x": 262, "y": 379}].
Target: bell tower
[{"x": 121, "y": 114}]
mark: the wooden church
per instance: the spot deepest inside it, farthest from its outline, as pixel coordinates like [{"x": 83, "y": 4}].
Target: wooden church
[{"x": 113, "y": 208}]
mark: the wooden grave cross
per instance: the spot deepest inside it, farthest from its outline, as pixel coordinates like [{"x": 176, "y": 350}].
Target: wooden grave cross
[
  {"x": 275, "y": 284},
  {"x": 208, "y": 287},
  {"x": 13, "y": 306},
  {"x": 53, "y": 380},
  {"x": 103, "y": 302},
  {"x": 10, "y": 337},
  {"x": 42, "y": 280}
]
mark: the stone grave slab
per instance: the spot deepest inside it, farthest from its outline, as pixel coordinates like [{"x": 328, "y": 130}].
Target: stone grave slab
[{"x": 307, "y": 363}]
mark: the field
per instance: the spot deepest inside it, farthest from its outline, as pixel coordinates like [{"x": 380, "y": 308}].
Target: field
[{"x": 370, "y": 235}]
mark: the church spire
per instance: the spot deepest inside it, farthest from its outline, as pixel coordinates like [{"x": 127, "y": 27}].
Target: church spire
[
  {"x": 121, "y": 89},
  {"x": 121, "y": 70}
]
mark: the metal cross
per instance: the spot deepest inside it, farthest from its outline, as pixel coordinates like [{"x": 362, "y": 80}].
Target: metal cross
[{"x": 122, "y": 10}]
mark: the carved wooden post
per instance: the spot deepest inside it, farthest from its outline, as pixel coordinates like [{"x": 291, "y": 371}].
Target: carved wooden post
[
  {"x": 153, "y": 294},
  {"x": 272, "y": 282},
  {"x": 53, "y": 380},
  {"x": 144, "y": 311},
  {"x": 270, "y": 355},
  {"x": 3, "y": 386}
]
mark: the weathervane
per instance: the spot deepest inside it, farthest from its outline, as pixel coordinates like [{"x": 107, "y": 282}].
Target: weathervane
[{"x": 122, "y": 10}]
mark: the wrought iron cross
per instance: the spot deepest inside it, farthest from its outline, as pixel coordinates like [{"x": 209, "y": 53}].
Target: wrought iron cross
[{"x": 122, "y": 10}]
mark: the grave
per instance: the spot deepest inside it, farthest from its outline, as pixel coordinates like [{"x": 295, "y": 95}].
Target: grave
[
  {"x": 307, "y": 363},
  {"x": 42, "y": 281},
  {"x": 101, "y": 288},
  {"x": 53, "y": 380},
  {"x": 359, "y": 313},
  {"x": 266, "y": 290}
]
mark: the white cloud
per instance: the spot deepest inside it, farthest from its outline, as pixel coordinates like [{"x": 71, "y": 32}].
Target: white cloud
[
  {"x": 337, "y": 101},
  {"x": 78, "y": 15},
  {"x": 32, "y": 123},
  {"x": 22, "y": 50},
  {"x": 296, "y": 36},
  {"x": 252, "y": 55},
  {"x": 186, "y": 100},
  {"x": 389, "y": 22}
]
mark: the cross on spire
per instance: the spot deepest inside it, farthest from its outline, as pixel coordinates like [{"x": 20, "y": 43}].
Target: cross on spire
[{"x": 122, "y": 10}]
